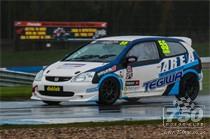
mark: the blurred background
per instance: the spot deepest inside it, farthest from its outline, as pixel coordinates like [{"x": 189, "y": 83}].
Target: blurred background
[
  {"x": 166, "y": 18},
  {"x": 37, "y": 33}
]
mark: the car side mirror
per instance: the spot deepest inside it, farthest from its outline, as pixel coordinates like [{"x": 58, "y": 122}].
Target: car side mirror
[{"x": 130, "y": 59}]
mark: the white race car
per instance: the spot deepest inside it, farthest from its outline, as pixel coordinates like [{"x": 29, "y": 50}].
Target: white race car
[{"x": 122, "y": 67}]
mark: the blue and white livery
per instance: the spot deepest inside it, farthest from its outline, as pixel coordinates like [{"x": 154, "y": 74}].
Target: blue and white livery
[{"x": 122, "y": 67}]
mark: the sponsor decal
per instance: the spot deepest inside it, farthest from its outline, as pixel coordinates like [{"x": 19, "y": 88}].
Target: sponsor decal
[
  {"x": 121, "y": 74},
  {"x": 68, "y": 65},
  {"x": 171, "y": 78},
  {"x": 129, "y": 72},
  {"x": 131, "y": 88},
  {"x": 120, "y": 43},
  {"x": 89, "y": 90},
  {"x": 112, "y": 69},
  {"x": 53, "y": 88},
  {"x": 132, "y": 83},
  {"x": 107, "y": 42},
  {"x": 172, "y": 63},
  {"x": 168, "y": 73}
]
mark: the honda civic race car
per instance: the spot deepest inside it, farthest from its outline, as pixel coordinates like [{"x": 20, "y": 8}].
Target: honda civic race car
[{"x": 122, "y": 67}]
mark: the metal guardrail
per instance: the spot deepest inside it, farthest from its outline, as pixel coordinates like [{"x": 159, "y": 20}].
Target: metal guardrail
[
  {"x": 14, "y": 78},
  {"x": 205, "y": 59},
  {"x": 205, "y": 62}
]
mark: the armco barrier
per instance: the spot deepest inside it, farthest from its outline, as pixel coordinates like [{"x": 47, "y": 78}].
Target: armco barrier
[
  {"x": 205, "y": 59},
  {"x": 205, "y": 62},
  {"x": 13, "y": 78}
]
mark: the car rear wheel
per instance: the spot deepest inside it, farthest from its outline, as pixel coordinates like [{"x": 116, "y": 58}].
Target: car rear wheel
[
  {"x": 109, "y": 91},
  {"x": 189, "y": 87},
  {"x": 52, "y": 102}
]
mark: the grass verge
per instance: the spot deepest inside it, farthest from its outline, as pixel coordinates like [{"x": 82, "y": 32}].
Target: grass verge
[
  {"x": 32, "y": 58},
  {"x": 203, "y": 49},
  {"x": 206, "y": 82},
  {"x": 15, "y": 93}
]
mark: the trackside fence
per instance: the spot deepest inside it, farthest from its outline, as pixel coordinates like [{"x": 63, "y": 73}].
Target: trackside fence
[{"x": 13, "y": 78}]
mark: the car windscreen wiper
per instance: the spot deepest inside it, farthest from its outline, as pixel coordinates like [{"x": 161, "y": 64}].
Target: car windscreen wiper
[
  {"x": 83, "y": 57},
  {"x": 106, "y": 56}
]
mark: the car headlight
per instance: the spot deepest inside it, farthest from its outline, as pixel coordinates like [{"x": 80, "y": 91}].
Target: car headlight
[
  {"x": 39, "y": 75},
  {"x": 84, "y": 77}
]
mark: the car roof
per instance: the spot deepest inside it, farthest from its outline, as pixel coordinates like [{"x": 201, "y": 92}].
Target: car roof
[
  {"x": 129, "y": 38},
  {"x": 187, "y": 40}
]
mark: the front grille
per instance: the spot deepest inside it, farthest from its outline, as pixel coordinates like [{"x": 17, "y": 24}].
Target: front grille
[
  {"x": 57, "y": 94},
  {"x": 57, "y": 79}
]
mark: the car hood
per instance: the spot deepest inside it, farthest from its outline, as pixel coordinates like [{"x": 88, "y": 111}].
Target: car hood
[{"x": 66, "y": 69}]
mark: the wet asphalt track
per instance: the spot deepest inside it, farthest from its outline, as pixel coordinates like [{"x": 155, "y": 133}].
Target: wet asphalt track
[{"x": 35, "y": 112}]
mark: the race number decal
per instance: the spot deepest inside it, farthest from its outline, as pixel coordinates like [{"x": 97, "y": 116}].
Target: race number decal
[{"x": 164, "y": 46}]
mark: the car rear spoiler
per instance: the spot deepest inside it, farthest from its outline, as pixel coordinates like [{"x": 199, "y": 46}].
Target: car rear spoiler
[{"x": 185, "y": 39}]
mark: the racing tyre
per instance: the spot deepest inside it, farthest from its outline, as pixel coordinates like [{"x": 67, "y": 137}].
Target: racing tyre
[
  {"x": 52, "y": 102},
  {"x": 189, "y": 87},
  {"x": 109, "y": 91}
]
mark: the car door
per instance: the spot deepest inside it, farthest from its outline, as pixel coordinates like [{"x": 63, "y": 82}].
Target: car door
[{"x": 138, "y": 75}]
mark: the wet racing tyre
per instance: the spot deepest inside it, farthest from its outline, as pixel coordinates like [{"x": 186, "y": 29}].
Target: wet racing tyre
[
  {"x": 109, "y": 91},
  {"x": 189, "y": 87}
]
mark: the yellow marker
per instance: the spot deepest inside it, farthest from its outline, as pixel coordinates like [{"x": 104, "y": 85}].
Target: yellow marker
[{"x": 123, "y": 43}]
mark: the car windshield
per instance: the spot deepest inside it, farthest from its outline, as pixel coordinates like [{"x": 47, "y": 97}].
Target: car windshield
[{"x": 98, "y": 51}]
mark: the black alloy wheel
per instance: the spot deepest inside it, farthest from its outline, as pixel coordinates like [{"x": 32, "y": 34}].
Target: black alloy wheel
[
  {"x": 109, "y": 91},
  {"x": 189, "y": 87}
]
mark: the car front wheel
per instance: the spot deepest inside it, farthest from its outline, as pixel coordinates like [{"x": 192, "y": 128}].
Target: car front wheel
[{"x": 109, "y": 91}]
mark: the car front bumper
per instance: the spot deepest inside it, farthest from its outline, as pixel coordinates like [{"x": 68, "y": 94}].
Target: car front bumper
[{"x": 84, "y": 91}]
